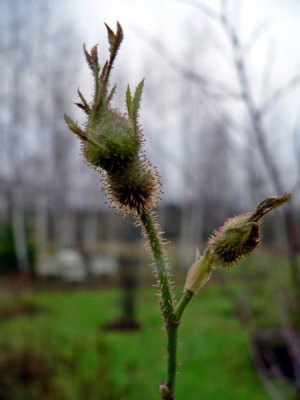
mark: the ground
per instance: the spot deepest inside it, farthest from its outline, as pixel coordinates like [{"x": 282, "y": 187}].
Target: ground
[{"x": 214, "y": 352}]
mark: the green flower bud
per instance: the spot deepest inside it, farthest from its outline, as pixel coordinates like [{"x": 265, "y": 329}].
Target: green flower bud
[
  {"x": 112, "y": 141},
  {"x": 240, "y": 235},
  {"x": 199, "y": 272},
  {"x": 118, "y": 142},
  {"x": 135, "y": 188},
  {"x": 237, "y": 238}
]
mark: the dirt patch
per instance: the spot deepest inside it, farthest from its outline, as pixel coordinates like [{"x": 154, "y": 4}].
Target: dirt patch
[
  {"x": 22, "y": 309},
  {"x": 27, "y": 373},
  {"x": 121, "y": 325},
  {"x": 24, "y": 374}
]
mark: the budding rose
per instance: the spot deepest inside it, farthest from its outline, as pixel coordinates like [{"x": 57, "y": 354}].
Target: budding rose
[
  {"x": 237, "y": 238},
  {"x": 240, "y": 235},
  {"x": 113, "y": 141},
  {"x": 134, "y": 188},
  {"x": 118, "y": 142}
]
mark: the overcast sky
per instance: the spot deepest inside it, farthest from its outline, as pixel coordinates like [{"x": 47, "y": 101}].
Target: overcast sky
[
  {"x": 168, "y": 17},
  {"x": 169, "y": 21}
]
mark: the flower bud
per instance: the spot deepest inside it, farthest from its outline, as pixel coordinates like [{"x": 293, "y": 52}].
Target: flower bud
[
  {"x": 199, "y": 272},
  {"x": 237, "y": 238},
  {"x": 112, "y": 141},
  {"x": 240, "y": 235},
  {"x": 135, "y": 188},
  {"x": 118, "y": 142}
]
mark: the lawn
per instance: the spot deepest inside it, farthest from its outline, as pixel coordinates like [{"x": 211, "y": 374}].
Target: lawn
[{"x": 214, "y": 352}]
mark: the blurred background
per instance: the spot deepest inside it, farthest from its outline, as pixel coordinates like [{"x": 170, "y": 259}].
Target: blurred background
[{"x": 220, "y": 117}]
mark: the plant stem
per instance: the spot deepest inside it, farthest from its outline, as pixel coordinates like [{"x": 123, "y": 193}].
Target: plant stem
[
  {"x": 161, "y": 265},
  {"x": 172, "y": 329},
  {"x": 167, "y": 307},
  {"x": 183, "y": 302}
]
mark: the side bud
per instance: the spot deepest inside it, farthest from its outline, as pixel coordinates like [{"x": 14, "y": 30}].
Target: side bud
[
  {"x": 199, "y": 272},
  {"x": 237, "y": 238},
  {"x": 240, "y": 235}
]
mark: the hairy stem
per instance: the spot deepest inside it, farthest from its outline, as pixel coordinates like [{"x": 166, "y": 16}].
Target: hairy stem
[
  {"x": 161, "y": 265},
  {"x": 167, "y": 307}
]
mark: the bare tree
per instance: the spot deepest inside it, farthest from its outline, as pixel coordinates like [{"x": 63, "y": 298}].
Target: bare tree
[
  {"x": 16, "y": 49},
  {"x": 197, "y": 149},
  {"x": 37, "y": 150},
  {"x": 258, "y": 113}
]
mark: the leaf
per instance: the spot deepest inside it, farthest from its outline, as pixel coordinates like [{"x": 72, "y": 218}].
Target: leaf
[
  {"x": 111, "y": 94},
  {"x": 74, "y": 127},
  {"x": 104, "y": 73},
  {"x": 84, "y": 104},
  {"x": 115, "y": 40},
  {"x": 94, "y": 56},
  {"x": 88, "y": 57},
  {"x": 111, "y": 36},
  {"x": 80, "y": 105},
  {"x": 92, "y": 59},
  {"x": 136, "y": 101},
  {"x": 128, "y": 100},
  {"x": 119, "y": 34}
]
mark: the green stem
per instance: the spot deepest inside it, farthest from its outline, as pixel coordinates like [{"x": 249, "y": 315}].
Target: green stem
[
  {"x": 172, "y": 329},
  {"x": 167, "y": 307},
  {"x": 197, "y": 276},
  {"x": 160, "y": 261},
  {"x": 183, "y": 302}
]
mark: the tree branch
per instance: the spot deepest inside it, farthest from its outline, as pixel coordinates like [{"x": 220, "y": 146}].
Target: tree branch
[{"x": 212, "y": 88}]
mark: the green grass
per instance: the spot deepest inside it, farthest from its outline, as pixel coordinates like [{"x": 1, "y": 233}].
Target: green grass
[{"x": 214, "y": 351}]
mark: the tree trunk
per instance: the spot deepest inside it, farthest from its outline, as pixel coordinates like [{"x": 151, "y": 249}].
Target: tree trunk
[
  {"x": 41, "y": 226},
  {"x": 19, "y": 230}
]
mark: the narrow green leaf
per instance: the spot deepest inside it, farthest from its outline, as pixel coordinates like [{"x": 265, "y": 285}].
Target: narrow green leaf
[
  {"x": 79, "y": 132},
  {"x": 74, "y": 127},
  {"x": 128, "y": 100},
  {"x": 136, "y": 101},
  {"x": 111, "y": 94}
]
